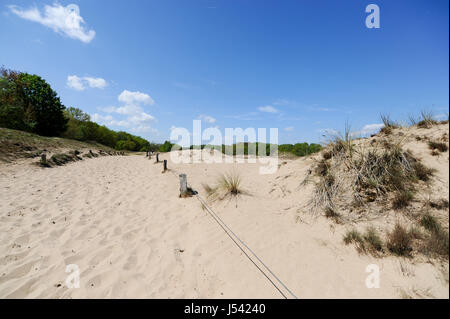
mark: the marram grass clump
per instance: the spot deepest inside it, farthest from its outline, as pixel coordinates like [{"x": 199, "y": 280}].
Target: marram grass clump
[
  {"x": 228, "y": 185},
  {"x": 381, "y": 171}
]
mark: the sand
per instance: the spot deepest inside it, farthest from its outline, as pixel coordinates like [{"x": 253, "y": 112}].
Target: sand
[{"x": 121, "y": 221}]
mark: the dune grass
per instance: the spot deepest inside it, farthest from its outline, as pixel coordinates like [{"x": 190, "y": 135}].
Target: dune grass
[
  {"x": 399, "y": 241},
  {"x": 427, "y": 119},
  {"x": 380, "y": 172},
  {"x": 368, "y": 242},
  {"x": 437, "y": 241},
  {"x": 16, "y": 144},
  {"x": 389, "y": 124},
  {"x": 439, "y": 146},
  {"x": 228, "y": 185}
]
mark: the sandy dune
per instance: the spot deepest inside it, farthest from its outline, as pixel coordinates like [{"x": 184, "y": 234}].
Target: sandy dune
[{"x": 121, "y": 221}]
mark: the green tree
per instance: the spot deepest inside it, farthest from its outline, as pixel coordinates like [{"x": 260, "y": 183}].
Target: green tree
[
  {"x": 166, "y": 147},
  {"x": 43, "y": 103},
  {"x": 126, "y": 145},
  {"x": 77, "y": 114},
  {"x": 13, "y": 112}
]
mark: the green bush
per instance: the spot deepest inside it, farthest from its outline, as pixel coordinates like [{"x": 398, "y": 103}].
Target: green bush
[
  {"x": 127, "y": 145},
  {"x": 166, "y": 147},
  {"x": 300, "y": 149},
  {"x": 31, "y": 98}
]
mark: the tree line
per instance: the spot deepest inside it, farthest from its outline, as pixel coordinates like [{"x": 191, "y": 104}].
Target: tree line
[
  {"x": 299, "y": 149},
  {"x": 28, "y": 103}
]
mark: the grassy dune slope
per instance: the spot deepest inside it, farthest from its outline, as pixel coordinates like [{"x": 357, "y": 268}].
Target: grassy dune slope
[{"x": 15, "y": 145}]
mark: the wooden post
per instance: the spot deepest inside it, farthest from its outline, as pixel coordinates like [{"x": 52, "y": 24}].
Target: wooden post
[
  {"x": 183, "y": 185},
  {"x": 157, "y": 157},
  {"x": 43, "y": 159},
  {"x": 165, "y": 165},
  {"x": 146, "y": 154},
  {"x": 149, "y": 155}
]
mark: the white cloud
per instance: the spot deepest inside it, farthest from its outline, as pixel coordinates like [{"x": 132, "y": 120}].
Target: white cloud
[
  {"x": 129, "y": 97},
  {"x": 108, "y": 109},
  {"x": 128, "y": 109},
  {"x": 74, "y": 82},
  {"x": 144, "y": 129},
  {"x": 80, "y": 83},
  {"x": 329, "y": 131},
  {"x": 282, "y": 102},
  {"x": 369, "y": 129},
  {"x": 108, "y": 120},
  {"x": 136, "y": 119},
  {"x": 63, "y": 20},
  {"x": 101, "y": 118},
  {"x": 323, "y": 109},
  {"x": 207, "y": 119},
  {"x": 98, "y": 83},
  {"x": 267, "y": 109},
  {"x": 289, "y": 129},
  {"x": 441, "y": 117}
]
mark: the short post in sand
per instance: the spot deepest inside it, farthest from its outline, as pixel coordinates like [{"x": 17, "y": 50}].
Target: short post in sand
[
  {"x": 157, "y": 157},
  {"x": 183, "y": 185},
  {"x": 150, "y": 155},
  {"x": 43, "y": 159},
  {"x": 165, "y": 165},
  {"x": 146, "y": 154}
]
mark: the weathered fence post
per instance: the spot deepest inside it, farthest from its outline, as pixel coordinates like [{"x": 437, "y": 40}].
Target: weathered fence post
[
  {"x": 157, "y": 157},
  {"x": 90, "y": 152},
  {"x": 43, "y": 159},
  {"x": 150, "y": 155},
  {"x": 165, "y": 165},
  {"x": 183, "y": 185},
  {"x": 146, "y": 154}
]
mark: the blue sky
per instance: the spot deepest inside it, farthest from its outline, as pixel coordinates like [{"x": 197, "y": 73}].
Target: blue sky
[{"x": 302, "y": 66}]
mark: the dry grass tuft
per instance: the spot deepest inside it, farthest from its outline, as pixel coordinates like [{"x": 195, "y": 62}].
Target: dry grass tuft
[
  {"x": 402, "y": 199},
  {"x": 367, "y": 174},
  {"x": 400, "y": 241},
  {"x": 322, "y": 168},
  {"x": 435, "y": 153},
  {"x": 327, "y": 155},
  {"x": 437, "y": 243},
  {"x": 231, "y": 183},
  {"x": 369, "y": 242},
  {"x": 373, "y": 241},
  {"x": 427, "y": 120},
  {"x": 389, "y": 125},
  {"x": 439, "y": 204},
  {"x": 430, "y": 223},
  {"x": 353, "y": 236},
  {"x": 441, "y": 147},
  {"x": 228, "y": 185},
  {"x": 332, "y": 214},
  {"x": 416, "y": 233}
]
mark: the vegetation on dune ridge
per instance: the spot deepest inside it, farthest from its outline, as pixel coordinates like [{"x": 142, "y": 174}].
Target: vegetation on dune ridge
[
  {"x": 360, "y": 179},
  {"x": 377, "y": 170},
  {"x": 16, "y": 144}
]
